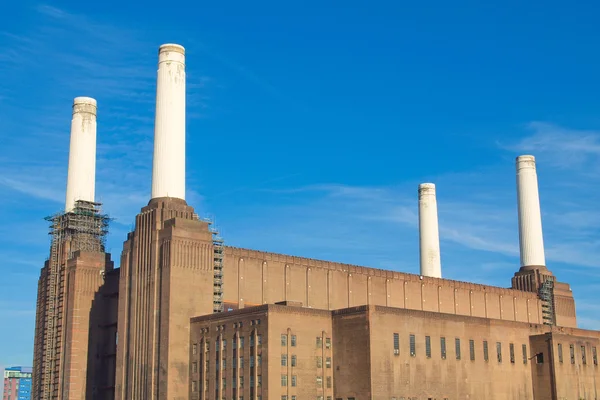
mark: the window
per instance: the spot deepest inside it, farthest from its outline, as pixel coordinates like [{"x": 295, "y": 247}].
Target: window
[
  {"x": 329, "y": 382},
  {"x": 560, "y": 356},
  {"x": 224, "y": 344},
  {"x": 319, "y": 381},
  {"x": 251, "y": 381},
  {"x": 259, "y": 380},
  {"x": 293, "y": 397},
  {"x": 241, "y": 342},
  {"x": 413, "y": 346},
  {"x": 539, "y": 358},
  {"x": 284, "y": 340},
  {"x": 583, "y": 358},
  {"x": 259, "y": 339},
  {"x": 511, "y": 348},
  {"x": 194, "y": 348},
  {"x": 284, "y": 397},
  {"x": 284, "y": 360},
  {"x": 293, "y": 380},
  {"x": 207, "y": 346},
  {"x": 329, "y": 397},
  {"x": 443, "y": 347},
  {"x": 328, "y": 343},
  {"x": 293, "y": 340},
  {"x": 524, "y": 354},
  {"x": 194, "y": 367},
  {"x": 328, "y": 362},
  {"x": 206, "y": 386},
  {"x": 251, "y": 340},
  {"x": 485, "y": 351},
  {"x": 428, "y": 346},
  {"x": 457, "y": 348},
  {"x": 252, "y": 361},
  {"x": 234, "y": 362},
  {"x": 472, "y": 349},
  {"x": 224, "y": 383},
  {"x": 283, "y": 380},
  {"x": 595, "y": 356},
  {"x": 319, "y": 362},
  {"x": 572, "y": 350},
  {"x": 224, "y": 363},
  {"x": 499, "y": 351},
  {"x": 207, "y": 364},
  {"x": 396, "y": 344},
  {"x": 242, "y": 362},
  {"x": 241, "y": 382},
  {"x": 259, "y": 360},
  {"x": 319, "y": 342},
  {"x": 194, "y": 386}
]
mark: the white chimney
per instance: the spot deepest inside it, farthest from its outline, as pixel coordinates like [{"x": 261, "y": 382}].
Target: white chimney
[
  {"x": 429, "y": 237},
  {"x": 530, "y": 219},
  {"x": 81, "y": 176},
  {"x": 168, "y": 166}
]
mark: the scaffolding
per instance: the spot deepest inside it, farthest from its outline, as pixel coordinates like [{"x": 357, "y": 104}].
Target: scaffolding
[
  {"x": 82, "y": 229},
  {"x": 217, "y": 266},
  {"x": 546, "y": 294}
]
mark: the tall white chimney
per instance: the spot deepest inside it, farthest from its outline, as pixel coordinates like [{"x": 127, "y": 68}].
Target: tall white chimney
[
  {"x": 168, "y": 166},
  {"x": 81, "y": 177},
  {"x": 530, "y": 219},
  {"x": 429, "y": 236}
]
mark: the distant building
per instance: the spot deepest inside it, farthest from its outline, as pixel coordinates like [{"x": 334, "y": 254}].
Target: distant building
[{"x": 17, "y": 383}]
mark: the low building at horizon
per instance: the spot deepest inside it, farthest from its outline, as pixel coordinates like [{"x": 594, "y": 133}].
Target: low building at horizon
[{"x": 17, "y": 383}]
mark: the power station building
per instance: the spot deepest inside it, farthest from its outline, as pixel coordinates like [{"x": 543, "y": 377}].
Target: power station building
[{"x": 186, "y": 317}]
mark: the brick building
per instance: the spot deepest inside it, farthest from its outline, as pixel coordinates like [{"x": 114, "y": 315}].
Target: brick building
[{"x": 17, "y": 383}]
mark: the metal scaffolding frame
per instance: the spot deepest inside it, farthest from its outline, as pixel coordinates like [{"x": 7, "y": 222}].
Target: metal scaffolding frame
[
  {"x": 546, "y": 294},
  {"x": 217, "y": 266},
  {"x": 82, "y": 229}
]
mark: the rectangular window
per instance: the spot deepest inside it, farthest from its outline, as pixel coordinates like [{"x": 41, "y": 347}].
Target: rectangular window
[
  {"x": 457, "y": 348},
  {"x": 328, "y": 362},
  {"x": 583, "y": 358},
  {"x": 499, "y": 351},
  {"x": 472, "y": 350},
  {"x": 194, "y": 348},
  {"x": 319, "y": 342},
  {"x": 284, "y": 397},
  {"x": 294, "y": 380},
  {"x": 284, "y": 360},
  {"x": 329, "y": 382},
  {"x": 252, "y": 361},
  {"x": 207, "y": 364},
  {"x": 241, "y": 342},
  {"x": 284, "y": 340},
  {"x": 560, "y": 355},
  {"x": 319, "y": 362},
  {"x": 224, "y": 363},
  {"x": 319, "y": 381},
  {"x": 428, "y": 346},
  {"x": 511, "y": 348},
  {"x": 259, "y": 360},
  {"x": 251, "y": 340},
  {"x": 234, "y": 361},
  {"x": 259, "y": 339},
  {"x": 293, "y": 397},
  {"x": 224, "y": 344},
  {"x": 595, "y": 356},
  {"x": 241, "y": 382},
  {"x": 327, "y": 343},
  {"x": 206, "y": 386},
  {"x": 572, "y": 350},
  {"x": 194, "y": 386},
  {"x": 259, "y": 380},
  {"x": 443, "y": 347},
  {"x": 283, "y": 380},
  {"x": 224, "y": 383},
  {"x": 293, "y": 340},
  {"x": 194, "y": 367},
  {"x": 396, "y": 344},
  {"x": 242, "y": 362},
  {"x": 485, "y": 351},
  {"x": 413, "y": 346},
  {"x": 251, "y": 381},
  {"x": 207, "y": 346},
  {"x": 525, "y": 354}
]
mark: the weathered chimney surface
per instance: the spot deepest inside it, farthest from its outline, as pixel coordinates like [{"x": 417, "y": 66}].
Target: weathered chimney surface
[
  {"x": 81, "y": 176},
  {"x": 531, "y": 240},
  {"x": 429, "y": 237},
  {"x": 168, "y": 167}
]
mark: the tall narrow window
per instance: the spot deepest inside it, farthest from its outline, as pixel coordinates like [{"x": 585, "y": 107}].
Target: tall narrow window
[
  {"x": 251, "y": 340},
  {"x": 319, "y": 342},
  {"x": 511, "y": 347},
  {"x": 443, "y": 347},
  {"x": 524, "y": 354},
  {"x": 472, "y": 349},
  {"x": 241, "y": 342},
  {"x": 428, "y": 346},
  {"x": 319, "y": 362},
  {"x": 241, "y": 382},
  {"x": 413, "y": 346},
  {"x": 293, "y": 360},
  {"x": 319, "y": 381},
  {"x": 284, "y": 360},
  {"x": 457, "y": 347},
  {"x": 251, "y": 381},
  {"x": 499, "y": 351},
  {"x": 328, "y": 362},
  {"x": 259, "y": 360},
  {"x": 252, "y": 361},
  {"x": 327, "y": 343},
  {"x": 293, "y": 340},
  {"x": 396, "y": 344},
  {"x": 583, "y": 358},
  {"x": 294, "y": 380},
  {"x": 572, "y": 350},
  {"x": 560, "y": 355},
  {"x": 242, "y": 362},
  {"x": 224, "y": 383},
  {"x": 259, "y": 381},
  {"x": 283, "y": 340},
  {"x": 283, "y": 380},
  {"x": 194, "y": 348},
  {"x": 595, "y": 355},
  {"x": 259, "y": 339},
  {"x": 328, "y": 382},
  {"x": 194, "y": 367},
  {"x": 485, "y": 351}
]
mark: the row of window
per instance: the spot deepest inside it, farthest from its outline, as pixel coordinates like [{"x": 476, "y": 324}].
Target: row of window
[
  {"x": 294, "y": 381},
  {"x": 319, "y": 341},
  {"x": 222, "y": 345},
  {"x": 235, "y": 362},
  {"x": 236, "y": 325},
  {"x": 457, "y": 349},
  {"x": 236, "y": 383},
  {"x": 582, "y": 352},
  {"x": 294, "y": 361}
]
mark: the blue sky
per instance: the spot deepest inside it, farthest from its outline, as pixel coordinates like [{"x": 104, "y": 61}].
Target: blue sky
[{"x": 309, "y": 129}]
